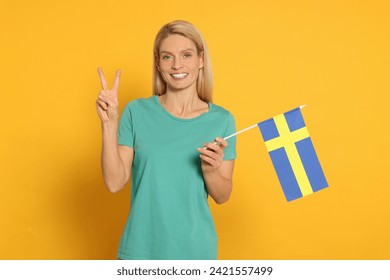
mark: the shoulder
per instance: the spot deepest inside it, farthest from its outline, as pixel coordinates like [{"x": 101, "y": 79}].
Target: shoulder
[
  {"x": 139, "y": 103},
  {"x": 221, "y": 111}
]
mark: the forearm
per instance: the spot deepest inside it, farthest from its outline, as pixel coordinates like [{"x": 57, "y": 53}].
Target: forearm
[
  {"x": 113, "y": 169},
  {"x": 218, "y": 186}
]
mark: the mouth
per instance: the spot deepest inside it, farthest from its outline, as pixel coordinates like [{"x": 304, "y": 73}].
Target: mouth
[{"x": 179, "y": 75}]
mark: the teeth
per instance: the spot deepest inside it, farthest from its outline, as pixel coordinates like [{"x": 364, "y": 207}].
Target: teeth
[{"x": 179, "y": 76}]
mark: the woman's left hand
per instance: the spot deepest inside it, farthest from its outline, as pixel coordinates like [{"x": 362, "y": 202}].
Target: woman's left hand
[{"x": 212, "y": 154}]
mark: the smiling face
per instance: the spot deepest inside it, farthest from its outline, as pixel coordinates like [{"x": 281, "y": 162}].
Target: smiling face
[{"x": 179, "y": 62}]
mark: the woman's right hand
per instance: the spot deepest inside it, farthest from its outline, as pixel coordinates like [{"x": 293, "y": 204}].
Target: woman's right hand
[{"x": 107, "y": 102}]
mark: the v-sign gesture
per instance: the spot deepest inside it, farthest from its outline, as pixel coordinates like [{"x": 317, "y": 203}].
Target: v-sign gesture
[{"x": 107, "y": 103}]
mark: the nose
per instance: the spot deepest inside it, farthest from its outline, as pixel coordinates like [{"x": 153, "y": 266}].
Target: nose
[{"x": 176, "y": 64}]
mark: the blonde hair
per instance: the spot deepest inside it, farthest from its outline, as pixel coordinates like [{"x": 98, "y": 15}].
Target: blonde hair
[{"x": 205, "y": 78}]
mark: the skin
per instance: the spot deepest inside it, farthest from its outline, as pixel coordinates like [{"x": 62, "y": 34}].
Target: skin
[
  {"x": 178, "y": 54},
  {"x": 116, "y": 160}
]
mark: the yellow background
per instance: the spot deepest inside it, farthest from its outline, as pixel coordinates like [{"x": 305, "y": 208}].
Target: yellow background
[{"x": 268, "y": 57}]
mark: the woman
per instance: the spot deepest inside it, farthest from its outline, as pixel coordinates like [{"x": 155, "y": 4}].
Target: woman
[{"x": 158, "y": 143}]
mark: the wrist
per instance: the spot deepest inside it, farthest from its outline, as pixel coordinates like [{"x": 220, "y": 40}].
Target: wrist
[
  {"x": 110, "y": 125},
  {"x": 211, "y": 172}
]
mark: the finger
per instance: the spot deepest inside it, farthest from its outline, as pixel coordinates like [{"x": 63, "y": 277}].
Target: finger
[
  {"x": 102, "y": 105},
  {"x": 105, "y": 105},
  {"x": 208, "y": 160},
  {"x": 102, "y": 79},
  {"x": 213, "y": 147},
  {"x": 106, "y": 99},
  {"x": 211, "y": 154},
  {"x": 116, "y": 81},
  {"x": 103, "y": 98},
  {"x": 222, "y": 142},
  {"x": 102, "y": 114}
]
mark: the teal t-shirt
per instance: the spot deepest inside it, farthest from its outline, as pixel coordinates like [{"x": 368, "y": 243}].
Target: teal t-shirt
[{"x": 169, "y": 215}]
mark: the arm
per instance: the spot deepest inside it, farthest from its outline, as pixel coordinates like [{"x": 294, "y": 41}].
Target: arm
[
  {"x": 116, "y": 160},
  {"x": 217, "y": 172}
]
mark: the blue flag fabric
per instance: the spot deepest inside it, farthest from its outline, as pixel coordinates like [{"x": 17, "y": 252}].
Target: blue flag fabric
[{"x": 292, "y": 153}]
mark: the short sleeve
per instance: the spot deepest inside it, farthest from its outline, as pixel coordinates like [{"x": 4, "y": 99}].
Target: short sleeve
[
  {"x": 125, "y": 129},
  {"x": 230, "y": 128}
]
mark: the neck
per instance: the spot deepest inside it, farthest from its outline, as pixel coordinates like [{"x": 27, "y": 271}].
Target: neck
[{"x": 184, "y": 103}]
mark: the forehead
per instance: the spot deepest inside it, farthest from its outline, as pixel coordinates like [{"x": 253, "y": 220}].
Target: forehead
[{"x": 176, "y": 43}]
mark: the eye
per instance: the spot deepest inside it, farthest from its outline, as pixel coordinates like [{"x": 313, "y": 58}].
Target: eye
[
  {"x": 187, "y": 55},
  {"x": 166, "y": 57}
]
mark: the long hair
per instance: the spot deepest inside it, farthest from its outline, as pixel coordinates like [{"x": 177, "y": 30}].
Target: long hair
[{"x": 204, "y": 83}]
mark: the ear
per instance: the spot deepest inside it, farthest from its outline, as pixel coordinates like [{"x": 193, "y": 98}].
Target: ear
[
  {"x": 201, "y": 60},
  {"x": 157, "y": 63}
]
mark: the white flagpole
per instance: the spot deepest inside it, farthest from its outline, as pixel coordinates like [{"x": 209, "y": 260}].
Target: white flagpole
[{"x": 238, "y": 132}]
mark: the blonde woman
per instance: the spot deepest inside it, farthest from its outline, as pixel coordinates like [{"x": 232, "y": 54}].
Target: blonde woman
[{"x": 166, "y": 145}]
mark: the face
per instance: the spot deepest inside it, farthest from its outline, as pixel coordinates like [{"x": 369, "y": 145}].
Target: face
[{"x": 179, "y": 62}]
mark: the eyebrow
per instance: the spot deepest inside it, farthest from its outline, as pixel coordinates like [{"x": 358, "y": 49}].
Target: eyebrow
[{"x": 186, "y": 50}]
